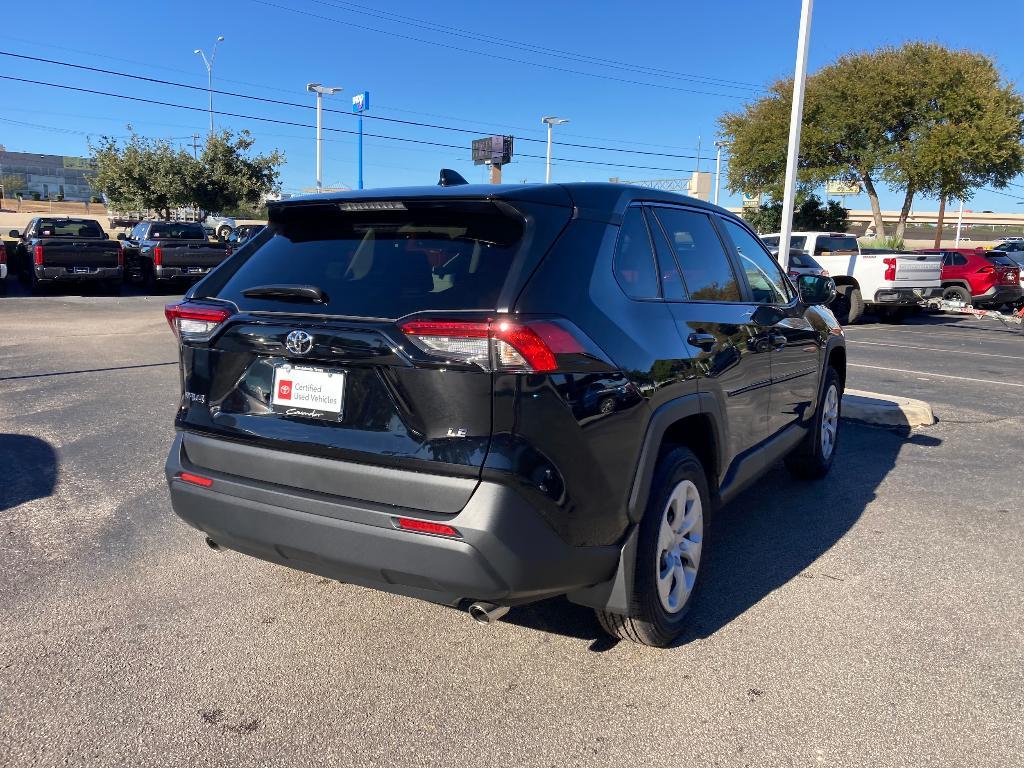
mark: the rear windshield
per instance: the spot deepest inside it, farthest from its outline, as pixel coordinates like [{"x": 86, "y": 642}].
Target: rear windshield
[
  {"x": 386, "y": 263},
  {"x": 69, "y": 228},
  {"x": 177, "y": 232},
  {"x": 1001, "y": 260},
  {"x": 835, "y": 245},
  {"x": 795, "y": 241},
  {"x": 796, "y": 259}
]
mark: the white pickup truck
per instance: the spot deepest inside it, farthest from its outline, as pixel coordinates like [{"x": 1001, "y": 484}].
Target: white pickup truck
[{"x": 892, "y": 283}]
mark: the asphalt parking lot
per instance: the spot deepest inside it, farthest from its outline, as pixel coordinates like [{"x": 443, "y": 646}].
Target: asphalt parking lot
[{"x": 873, "y": 618}]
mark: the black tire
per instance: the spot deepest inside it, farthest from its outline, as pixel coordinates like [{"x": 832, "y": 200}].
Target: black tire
[
  {"x": 113, "y": 287},
  {"x": 808, "y": 460},
  {"x": 956, "y": 293},
  {"x": 650, "y": 622},
  {"x": 848, "y": 305},
  {"x": 35, "y": 287}
]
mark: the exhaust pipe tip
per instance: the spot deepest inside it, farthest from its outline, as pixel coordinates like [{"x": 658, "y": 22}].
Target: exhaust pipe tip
[
  {"x": 212, "y": 544},
  {"x": 487, "y": 613}
]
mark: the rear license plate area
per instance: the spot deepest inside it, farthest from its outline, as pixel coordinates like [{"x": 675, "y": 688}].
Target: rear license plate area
[
  {"x": 197, "y": 271},
  {"x": 80, "y": 270},
  {"x": 308, "y": 392}
]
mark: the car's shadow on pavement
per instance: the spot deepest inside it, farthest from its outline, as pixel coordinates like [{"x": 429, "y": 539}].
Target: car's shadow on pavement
[
  {"x": 769, "y": 535},
  {"x": 28, "y": 469}
]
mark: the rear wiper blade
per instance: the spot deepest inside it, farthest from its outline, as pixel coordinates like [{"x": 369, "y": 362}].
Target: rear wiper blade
[{"x": 287, "y": 293}]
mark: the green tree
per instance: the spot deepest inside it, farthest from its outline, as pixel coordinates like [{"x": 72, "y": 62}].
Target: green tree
[
  {"x": 810, "y": 215},
  {"x": 921, "y": 118},
  {"x": 143, "y": 173},
  {"x": 231, "y": 176}
]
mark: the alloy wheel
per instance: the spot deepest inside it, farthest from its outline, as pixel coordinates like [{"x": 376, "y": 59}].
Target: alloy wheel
[{"x": 680, "y": 540}]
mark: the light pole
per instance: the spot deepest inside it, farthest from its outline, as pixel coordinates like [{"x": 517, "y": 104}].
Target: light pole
[
  {"x": 209, "y": 71},
  {"x": 320, "y": 91},
  {"x": 796, "y": 116},
  {"x": 550, "y": 121},
  {"x": 719, "y": 145}
]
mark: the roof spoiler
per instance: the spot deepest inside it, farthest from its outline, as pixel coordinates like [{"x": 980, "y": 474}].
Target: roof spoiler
[{"x": 450, "y": 178}]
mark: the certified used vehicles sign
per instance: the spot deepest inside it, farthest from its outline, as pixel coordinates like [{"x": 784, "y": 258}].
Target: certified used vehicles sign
[{"x": 311, "y": 392}]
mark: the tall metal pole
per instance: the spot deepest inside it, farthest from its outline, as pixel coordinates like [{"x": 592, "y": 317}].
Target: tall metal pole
[
  {"x": 718, "y": 166},
  {"x": 209, "y": 88},
  {"x": 796, "y": 116},
  {"x": 208, "y": 63},
  {"x": 550, "y": 122},
  {"x": 547, "y": 165},
  {"x": 360, "y": 150},
  {"x": 959, "y": 223},
  {"x": 319, "y": 144}
]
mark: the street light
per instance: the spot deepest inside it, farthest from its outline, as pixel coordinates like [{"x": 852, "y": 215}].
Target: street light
[
  {"x": 719, "y": 145},
  {"x": 320, "y": 91},
  {"x": 550, "y": 121},
  {"x": 209, "y": 71}
]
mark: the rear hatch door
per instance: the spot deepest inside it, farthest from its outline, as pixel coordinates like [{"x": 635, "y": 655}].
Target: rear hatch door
[
  {"x": 190, "y": 253},
  {"x": 314, "y": 360},
  {"x": 1006, "y": 270}
]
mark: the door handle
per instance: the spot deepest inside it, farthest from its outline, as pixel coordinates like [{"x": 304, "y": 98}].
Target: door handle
[
  {"x": 701, "y": 340},
  {"x": 778, "y": 340}
]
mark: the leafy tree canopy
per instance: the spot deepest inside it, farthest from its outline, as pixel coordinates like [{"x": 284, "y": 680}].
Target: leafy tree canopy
[
  {"x": 922, "y": 118},
  {"x": 811, "y": 215},
  {"x": 142, "y": 173}
]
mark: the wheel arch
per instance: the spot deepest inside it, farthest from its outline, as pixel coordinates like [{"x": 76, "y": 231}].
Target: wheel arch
[{"x": 845, "y": 280}]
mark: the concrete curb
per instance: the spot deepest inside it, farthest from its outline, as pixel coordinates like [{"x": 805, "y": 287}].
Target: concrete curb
[{"x": 886, "y": 410}]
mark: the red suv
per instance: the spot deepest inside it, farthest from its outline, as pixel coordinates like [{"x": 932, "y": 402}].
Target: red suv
[{"x": 979, "y": 277}]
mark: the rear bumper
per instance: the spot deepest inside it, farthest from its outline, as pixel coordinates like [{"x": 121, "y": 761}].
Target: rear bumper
[
  {"x": 180, "y": 273},
  {"x": 506, "y": 554},
  {"x": 905, "y": 295},
  {"x": 1000, "y": 294},
  {"x": 68, "y": 274}
]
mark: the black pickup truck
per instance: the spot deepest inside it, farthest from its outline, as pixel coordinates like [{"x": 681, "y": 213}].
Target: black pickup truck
[
  {"x": 158, "y": 252},
  {"x": 56, "y": 250}
]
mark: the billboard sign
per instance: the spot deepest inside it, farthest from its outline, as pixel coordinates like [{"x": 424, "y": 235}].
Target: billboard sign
[
  {"x": 361, "y": 102},
  {"x": 839, "y": 188},
  {"x": 492, "y": 150}
]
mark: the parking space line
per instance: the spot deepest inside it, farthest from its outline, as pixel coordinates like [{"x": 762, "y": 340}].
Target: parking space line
[
  {"x": 933, "y": 349},
  {"x": 914, "y": 332},
  {"x": 85, "y": 370},
  {"x": 936, "y": 375}
]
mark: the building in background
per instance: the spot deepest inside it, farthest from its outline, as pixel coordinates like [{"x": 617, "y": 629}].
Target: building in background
[{"x": 46, "y": 175}]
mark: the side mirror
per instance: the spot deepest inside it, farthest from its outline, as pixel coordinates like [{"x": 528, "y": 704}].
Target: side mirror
[
  {"x": 816, "y": 290},
  {"x": 14, "y": 233},
  {"x": 120, "y": 236}
]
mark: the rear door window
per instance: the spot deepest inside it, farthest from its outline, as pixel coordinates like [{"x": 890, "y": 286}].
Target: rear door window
[
  {"x": 382, "y": 263},
  {"x": 634, "y": 258},
  {"x": 707, "y": 272},
  {"x": 1001, "y": 260}
]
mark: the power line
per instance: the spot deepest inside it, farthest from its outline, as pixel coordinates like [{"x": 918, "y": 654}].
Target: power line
[
  {"x": 299, "y": 105},
  {"x": 1004, "y": 194},
  {"x": 491, "y": 55},
  {"x": 292, "y": 123},
  {"x": 533, "y": 48}
]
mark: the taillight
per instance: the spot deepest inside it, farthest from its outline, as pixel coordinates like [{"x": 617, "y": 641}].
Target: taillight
[
  {"x": 425, "y": 526},
  {"x": 195, "y": 322},
  {"x": 37, "y": 255},
  {"x": 986, "y": 270},
  {"x": 227, "y": 251},
  {"x": 158, "y": 257},
  {"x": 120, "y": 255},
  {"x": 890, "y": 269},
  {"x": 506, "y": 345},
  {"x": 3, "y": 253}
]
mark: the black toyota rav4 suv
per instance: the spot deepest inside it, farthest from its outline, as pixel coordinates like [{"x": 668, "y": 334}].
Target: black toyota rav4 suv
[{"x": 489, "y": 395}]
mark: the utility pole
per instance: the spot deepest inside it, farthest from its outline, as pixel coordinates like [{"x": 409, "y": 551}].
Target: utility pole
[
  {"x": 209, "y": 71},
  {"x": 718, "y": 165},
  {"x": 698, "y": 154},
  {"x": 195, "y": 145},
  {"x": 796, "y": 117},
  {"x": 320, "y": 91}
]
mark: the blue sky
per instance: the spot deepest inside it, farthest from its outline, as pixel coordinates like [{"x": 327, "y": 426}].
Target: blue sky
[{"x": 649, "y": 77}]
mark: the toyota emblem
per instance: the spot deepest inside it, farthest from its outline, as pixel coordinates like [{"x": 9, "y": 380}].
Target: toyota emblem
[{"x": 299, "y": 342}]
